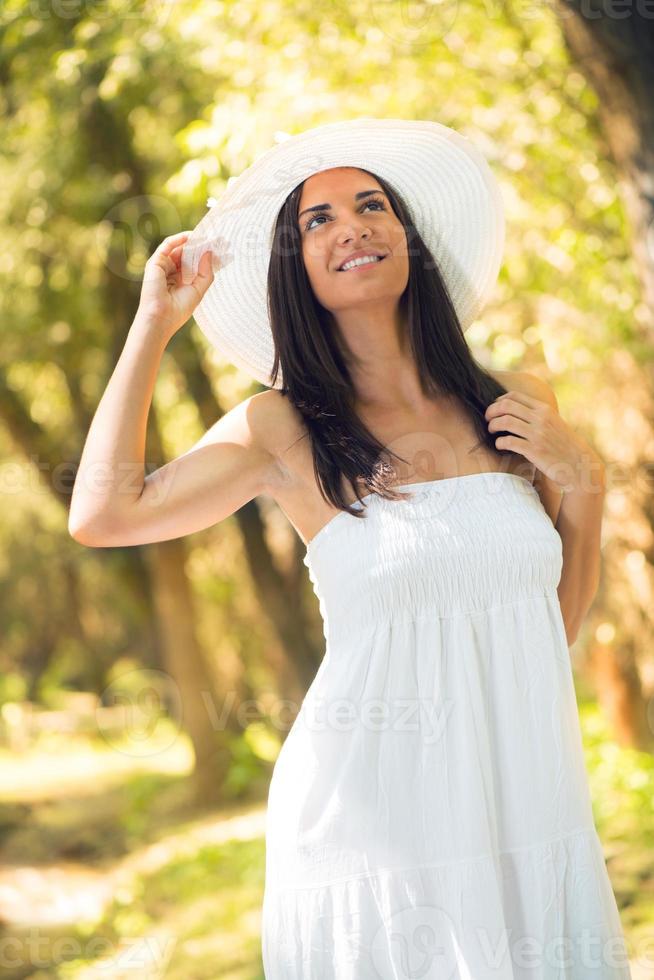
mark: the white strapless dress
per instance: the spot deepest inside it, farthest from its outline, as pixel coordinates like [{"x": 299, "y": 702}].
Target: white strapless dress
[{"x": 429, "y": 813}]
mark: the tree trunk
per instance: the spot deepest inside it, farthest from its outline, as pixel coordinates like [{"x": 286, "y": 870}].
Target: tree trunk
[
  {"x": 280, "y": 594},
  {"x": 616, "y": 55},
  {"x": 186, "y": 666},
  {"x": 620, "y": 695}
]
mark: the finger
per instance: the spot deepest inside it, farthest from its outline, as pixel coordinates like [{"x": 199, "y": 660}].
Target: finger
[
  {"x": 164, "y": 262},
  {"x": 204, "y": 275},
  {"x": 194, "y": 256},
  {"x": 176, "y": 255},
  {"x": 518, "y": 406},
  {"x": 177, "y": 237},
  {"x": 509, "y": 423},
  {"x": 169, "y": 243},
  {"x": 205, "y": 258},
  {"x": 205, "y": 266},
  {"x": 519, "y": 396},
  {"x": 159, "y": 264}
]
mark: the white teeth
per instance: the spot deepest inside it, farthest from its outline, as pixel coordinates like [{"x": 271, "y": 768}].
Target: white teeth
[{"x": 364, "y": 260}]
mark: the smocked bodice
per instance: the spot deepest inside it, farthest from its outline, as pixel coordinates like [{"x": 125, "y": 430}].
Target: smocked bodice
[{"x": 457, "y": 546}]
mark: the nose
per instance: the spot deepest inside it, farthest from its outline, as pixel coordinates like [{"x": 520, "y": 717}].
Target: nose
[{"x": 364, "y": 232}]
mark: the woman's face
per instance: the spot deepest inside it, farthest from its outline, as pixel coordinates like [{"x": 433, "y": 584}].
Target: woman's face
[{"x": 350, "y": 219}]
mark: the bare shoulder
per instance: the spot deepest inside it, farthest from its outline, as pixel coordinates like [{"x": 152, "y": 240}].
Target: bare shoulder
[
  {"x": 277, "y": 420},
  {"x": 529, "y": 384},
  {"x": 276, "y": 425}
]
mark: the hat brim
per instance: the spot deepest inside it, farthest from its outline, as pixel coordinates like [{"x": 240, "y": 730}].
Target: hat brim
[{"x": 449, "y": 189}]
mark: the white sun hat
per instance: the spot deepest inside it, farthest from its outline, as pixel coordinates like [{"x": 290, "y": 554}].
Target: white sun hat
[{"x": 444, "y": 179}]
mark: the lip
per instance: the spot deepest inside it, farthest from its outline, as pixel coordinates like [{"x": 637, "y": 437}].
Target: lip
[{"x": 360, "y": 255}]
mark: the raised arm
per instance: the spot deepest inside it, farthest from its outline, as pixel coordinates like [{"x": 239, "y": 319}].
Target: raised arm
[{"x": 113, "y": 502}]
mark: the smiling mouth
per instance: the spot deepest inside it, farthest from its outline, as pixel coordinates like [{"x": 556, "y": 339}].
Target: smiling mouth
[{"x": 363, "y": 265}]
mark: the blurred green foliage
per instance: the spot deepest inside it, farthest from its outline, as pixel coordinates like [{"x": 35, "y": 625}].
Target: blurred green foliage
[{"x": 118, "y": 121}]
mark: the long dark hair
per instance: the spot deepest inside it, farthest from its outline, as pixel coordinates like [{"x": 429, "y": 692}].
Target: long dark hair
[{"x": 315, "y": 375}]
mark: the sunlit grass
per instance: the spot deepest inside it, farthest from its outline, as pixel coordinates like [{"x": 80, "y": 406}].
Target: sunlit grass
[
  {"x": 208, "y": 906},
  {"x": 58, "y": 763}
]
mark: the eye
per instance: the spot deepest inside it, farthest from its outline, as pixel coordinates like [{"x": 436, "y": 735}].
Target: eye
[{"x": 323, "y": 214}]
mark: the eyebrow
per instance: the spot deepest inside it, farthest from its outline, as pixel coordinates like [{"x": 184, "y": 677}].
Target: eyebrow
[{"x": 328, "y": 207}]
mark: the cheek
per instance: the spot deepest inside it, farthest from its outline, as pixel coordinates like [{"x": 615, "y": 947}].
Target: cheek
[
  {"x": 401, "y": 251},
  {"x": 315, "y": 273},
  {"x": 316, "y": 261},
  {"x": 311, "y": 256},
  {"x": 401, "y": 261},
  {"x": 318, "y": 275}
]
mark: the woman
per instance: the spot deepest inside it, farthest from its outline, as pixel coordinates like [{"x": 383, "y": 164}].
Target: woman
[{"x": 429, "y": 813}]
